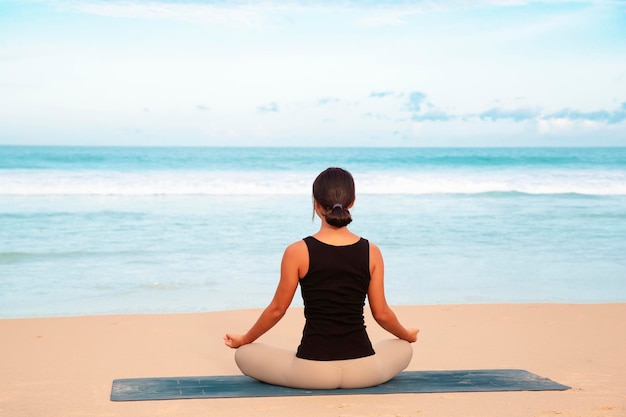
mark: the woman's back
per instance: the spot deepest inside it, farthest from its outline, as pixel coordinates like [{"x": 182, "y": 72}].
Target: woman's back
[{"x": 334, "y": 291}]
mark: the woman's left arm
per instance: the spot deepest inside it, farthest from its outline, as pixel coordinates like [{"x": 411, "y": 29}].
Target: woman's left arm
[
  {"x": 294, "y": 262},
  {"x": 382, "y": 313}
]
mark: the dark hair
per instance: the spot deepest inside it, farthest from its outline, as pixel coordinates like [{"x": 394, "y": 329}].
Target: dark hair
[{"x": 333, "y": 189}]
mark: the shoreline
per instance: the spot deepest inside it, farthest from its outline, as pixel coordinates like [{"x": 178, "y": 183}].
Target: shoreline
[
  {"x": 295, "y": 306},
  {"x": 62, "y": 366}
]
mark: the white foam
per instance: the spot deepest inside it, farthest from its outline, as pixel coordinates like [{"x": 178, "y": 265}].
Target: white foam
[{"x": 49, "y": 183}]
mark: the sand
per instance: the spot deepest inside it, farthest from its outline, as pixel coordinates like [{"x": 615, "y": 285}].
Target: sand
[{"x": 65, "y": 366}]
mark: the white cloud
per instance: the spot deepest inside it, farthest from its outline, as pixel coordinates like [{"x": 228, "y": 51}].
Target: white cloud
[
  {"x": 222, "y": 14},
  {"x": 558, "y": 126},
  {"x": 257, "y": 14},
  {"x": 517, "y": 114}
]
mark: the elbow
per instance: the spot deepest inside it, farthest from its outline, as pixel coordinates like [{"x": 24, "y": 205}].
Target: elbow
[
  {"x": 276, "y": 312},
  {"x": 381, "y": 316}
]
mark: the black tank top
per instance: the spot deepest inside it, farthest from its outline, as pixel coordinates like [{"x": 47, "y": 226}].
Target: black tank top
[{"x": 334, "y": 291}]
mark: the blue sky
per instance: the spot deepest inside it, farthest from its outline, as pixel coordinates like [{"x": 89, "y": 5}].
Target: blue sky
[{"x": 313, "y": 73}]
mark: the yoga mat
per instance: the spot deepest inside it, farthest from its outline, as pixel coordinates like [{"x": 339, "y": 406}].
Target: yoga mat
[{"x": 238, "y": 386}]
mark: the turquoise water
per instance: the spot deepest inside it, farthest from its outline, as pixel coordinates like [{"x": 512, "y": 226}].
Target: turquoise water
[{"x": 146, "y": 230}]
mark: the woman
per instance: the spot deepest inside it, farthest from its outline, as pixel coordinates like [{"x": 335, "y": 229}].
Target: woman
[{"x": 336, "y": 270}]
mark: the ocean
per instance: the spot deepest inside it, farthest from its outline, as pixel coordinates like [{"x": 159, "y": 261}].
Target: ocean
[{"x": 116, "y": 230}]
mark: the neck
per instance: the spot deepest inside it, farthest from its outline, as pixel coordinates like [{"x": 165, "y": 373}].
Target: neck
[{"x": 335, "y": 235}]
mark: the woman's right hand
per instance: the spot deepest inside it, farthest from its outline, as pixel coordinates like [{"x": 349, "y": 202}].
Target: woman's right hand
[
  {"x": 234, "y": 340},
  {"x": 412, "y": 335}
]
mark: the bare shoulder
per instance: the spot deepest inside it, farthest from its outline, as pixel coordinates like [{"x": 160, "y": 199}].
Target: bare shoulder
[
  {"x": 297, "y": 248},
  {"x": 375, "y": 251},
  {"x": 296, "y": 258}
]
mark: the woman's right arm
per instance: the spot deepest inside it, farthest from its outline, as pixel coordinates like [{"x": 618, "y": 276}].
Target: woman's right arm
[
  {"x": 382, "y": 313},
  {"x": 294, "y": 262}
]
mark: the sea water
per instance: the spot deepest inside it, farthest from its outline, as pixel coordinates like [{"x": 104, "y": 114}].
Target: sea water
[{"x": 89, "y": 230}]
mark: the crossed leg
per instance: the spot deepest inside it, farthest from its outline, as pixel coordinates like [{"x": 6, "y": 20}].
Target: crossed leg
[{"x": 280, "y": 366}]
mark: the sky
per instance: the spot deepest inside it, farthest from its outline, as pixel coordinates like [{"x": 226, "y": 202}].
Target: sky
[{"x": 313, "y": 73}]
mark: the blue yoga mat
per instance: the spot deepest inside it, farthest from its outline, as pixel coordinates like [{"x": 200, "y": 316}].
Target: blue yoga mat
[{"x": 237, "y": 386}]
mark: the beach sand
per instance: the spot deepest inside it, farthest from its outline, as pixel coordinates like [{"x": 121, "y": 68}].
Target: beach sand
[{"x": 65, "y": 366}]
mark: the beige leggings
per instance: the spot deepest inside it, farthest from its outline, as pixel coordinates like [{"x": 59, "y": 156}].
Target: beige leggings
[{"x": 280, "y": 366}]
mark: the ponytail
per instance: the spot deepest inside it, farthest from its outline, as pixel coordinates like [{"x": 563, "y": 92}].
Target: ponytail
[{"x": 333, "y": 189}]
